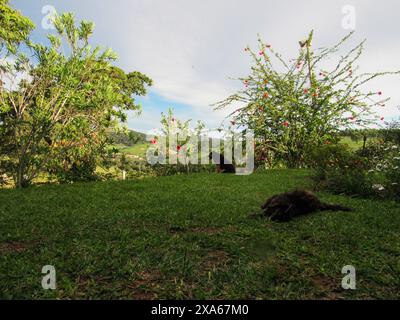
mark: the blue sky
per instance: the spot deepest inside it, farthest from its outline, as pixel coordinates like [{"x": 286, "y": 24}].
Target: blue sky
[{"x": 192, "y": 48}]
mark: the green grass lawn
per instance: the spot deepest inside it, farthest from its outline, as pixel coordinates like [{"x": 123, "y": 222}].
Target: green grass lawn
[{"x": 188, "y": 237}]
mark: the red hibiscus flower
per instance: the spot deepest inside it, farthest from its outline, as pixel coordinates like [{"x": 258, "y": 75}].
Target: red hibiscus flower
[
  {"x": 286, "y": 124},
  {"x": 154, "y": 141}
]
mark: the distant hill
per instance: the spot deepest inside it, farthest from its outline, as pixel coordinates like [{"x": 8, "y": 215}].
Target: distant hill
[{"x": 129, "y": 139}]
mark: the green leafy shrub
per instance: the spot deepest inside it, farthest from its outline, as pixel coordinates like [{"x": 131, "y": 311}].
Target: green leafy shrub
[
  {"x": 391, "y": 133},
  {"x": 372, "y": 172},
  {"x": 3, "y": 179},
  {"x": 339, "y": 170},
  {"x": 298, "y": 104},
  {"x": 80, "y": 170}
]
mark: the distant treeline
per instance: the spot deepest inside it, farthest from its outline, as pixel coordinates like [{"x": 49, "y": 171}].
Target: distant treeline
[
  {"x": 390, "y": 133},
  {"x": 358, "y": 134}
]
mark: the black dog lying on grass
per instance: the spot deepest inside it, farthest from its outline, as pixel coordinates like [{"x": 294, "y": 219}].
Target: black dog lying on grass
[
  {"x": 286, "y": 206},
  {"x": 223, "y": 166}
]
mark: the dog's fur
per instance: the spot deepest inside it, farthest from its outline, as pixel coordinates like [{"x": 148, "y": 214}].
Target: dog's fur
[
  {"x": 284, "y": 207},
  {"x": 223, "y": 166}
]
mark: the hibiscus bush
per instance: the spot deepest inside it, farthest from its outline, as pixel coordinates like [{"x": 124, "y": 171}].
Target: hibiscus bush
[
  {"x": 177, "y": 152},
  {"x": 294, "y": 106}
]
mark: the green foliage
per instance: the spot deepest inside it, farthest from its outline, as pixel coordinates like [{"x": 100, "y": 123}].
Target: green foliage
[
  {"x": 372, "y": 151},
  {"x": 15, "y": 28},
  {"x": 128, "y": 138},
  {"x": 391, "y": 133},
  {"x": 178, "y": 145},
  {"x": 340, "y": 170},
  {"x": 137, "y": 169},
  {"x": 359, "y": 134},
  {"x": 369, "y": 172},
  {"x": 83, "y": 170},
  {"x": 298, "y": 106},
  {"x": 57, "y": 118}
]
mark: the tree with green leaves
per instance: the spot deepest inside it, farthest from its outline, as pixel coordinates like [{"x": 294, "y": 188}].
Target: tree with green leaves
[
  {"x": 15, "y": 28},
  {"x": 57, "y": 117},
  {"x": 302, "y": 104}
]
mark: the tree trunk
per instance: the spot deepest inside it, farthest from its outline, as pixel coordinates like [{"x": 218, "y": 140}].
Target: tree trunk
[
  {"x": 21, "y": 181},
  {"x": 365, "y": 142},
  {"x": 20, "y": 175}
]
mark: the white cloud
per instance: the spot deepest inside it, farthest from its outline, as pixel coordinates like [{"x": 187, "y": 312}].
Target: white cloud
[{"x": 11, "y": 79}]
